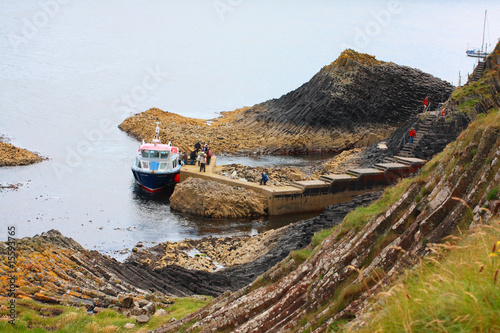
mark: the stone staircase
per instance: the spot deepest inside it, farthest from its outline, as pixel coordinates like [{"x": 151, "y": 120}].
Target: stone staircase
[
  {"x": 481, "y": 66},
  {"x": 408, "y": 148}
]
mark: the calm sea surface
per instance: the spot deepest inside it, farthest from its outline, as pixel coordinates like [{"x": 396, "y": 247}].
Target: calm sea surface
[{"x": 71, "y": 71}]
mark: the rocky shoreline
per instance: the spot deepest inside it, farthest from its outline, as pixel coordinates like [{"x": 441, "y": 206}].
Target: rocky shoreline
[{"x": 54, "y": 269}]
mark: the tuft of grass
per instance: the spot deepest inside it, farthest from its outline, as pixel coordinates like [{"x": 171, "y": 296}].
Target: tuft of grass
[
  {"x": 320, "y": 236},
  {"x": 299, "y": 256},
  {"x": 458, "y": 293},
  {"x": 492, "y": 194}
]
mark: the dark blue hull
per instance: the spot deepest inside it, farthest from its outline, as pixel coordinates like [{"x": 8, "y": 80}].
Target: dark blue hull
[{"x": 154, "y": 182}]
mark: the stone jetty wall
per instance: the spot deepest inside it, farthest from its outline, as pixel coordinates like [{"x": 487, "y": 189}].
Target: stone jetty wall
[{"x": 315, "y": 195}]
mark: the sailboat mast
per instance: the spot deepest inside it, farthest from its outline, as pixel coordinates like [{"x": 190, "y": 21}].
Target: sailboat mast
[{"x": 484, "y": 29}]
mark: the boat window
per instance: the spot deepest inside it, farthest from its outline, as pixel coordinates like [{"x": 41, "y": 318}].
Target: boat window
[
  {"x": 137, "y": 162},
  {"x": 154, "y": 153},
  {"x": 145, "y": 165},
  {"x": 163, "y": 166},
  {"x": 164, "y": 154},
  {"x": 174, "y": 164},
  {"x": 145, "y": 153}
]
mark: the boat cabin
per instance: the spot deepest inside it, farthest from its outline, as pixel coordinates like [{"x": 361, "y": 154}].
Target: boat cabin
[{"x": 157, "y": 158}]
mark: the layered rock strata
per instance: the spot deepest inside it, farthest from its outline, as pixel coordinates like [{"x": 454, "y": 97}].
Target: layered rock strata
[
  {"x": 337, "y": 279},
  {"x": 54, "y": 269},
  {"x": 355, "y": 101}
]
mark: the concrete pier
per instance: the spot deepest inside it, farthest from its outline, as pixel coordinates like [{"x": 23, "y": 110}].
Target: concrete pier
[{"x": 315, "y": 195}]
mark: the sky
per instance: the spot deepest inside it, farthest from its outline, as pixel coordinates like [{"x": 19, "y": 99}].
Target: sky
[{"x": 217, "y": 55}]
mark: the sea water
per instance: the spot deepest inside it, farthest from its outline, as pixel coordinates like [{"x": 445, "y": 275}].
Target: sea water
[{"x": 72, "y": 71}]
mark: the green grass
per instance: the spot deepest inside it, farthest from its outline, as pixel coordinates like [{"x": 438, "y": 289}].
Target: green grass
[
  {"x": 299, "y": 256},
  {"x": 76, "y": 319},
  {"x": 358, "y": 218},
  {"x": 320, "y": 236},
  {"x": 492, "y": 194},
  {"x": 458, "y": 293}
]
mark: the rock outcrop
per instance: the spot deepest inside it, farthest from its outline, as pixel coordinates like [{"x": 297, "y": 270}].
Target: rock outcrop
[
  {"x": 213, "y": 199},
  {"x": 352, "y": 102},
  {"x": 210, "y": 253},
  {"x": 54, "y": 269},
  {"x": 11, "y": 155}
]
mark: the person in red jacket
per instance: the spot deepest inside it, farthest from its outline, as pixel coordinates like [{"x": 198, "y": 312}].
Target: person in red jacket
[{"x": 412, "y": 134}]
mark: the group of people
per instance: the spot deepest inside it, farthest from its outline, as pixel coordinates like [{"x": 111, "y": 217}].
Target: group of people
[{"x": 201, "y": 155}]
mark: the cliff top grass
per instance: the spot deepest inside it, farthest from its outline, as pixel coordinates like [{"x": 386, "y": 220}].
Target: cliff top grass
[
  {"x": 349, "y": 58},
  {"x": 454, "y": 290}
]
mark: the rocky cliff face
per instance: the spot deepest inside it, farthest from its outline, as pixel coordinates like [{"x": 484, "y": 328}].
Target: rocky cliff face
[
  {"x": 355, "y": 101},
  {"x": 367, "y": 252},
  {"x": 54, "y": 269},
  {"x": 356, "y": 90}
]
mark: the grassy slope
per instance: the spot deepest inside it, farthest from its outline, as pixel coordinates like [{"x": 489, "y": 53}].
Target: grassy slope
[
  {"x": 456, "y": 289},
  {"x": 37, "y": 317}
]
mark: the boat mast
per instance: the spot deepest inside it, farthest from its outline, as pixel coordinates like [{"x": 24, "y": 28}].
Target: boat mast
[
  {"x": 484, "y": 29},
  {"x": 157, "y": 134}
]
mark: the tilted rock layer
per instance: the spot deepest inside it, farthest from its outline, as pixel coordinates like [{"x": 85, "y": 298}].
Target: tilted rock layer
[
  {"x": 326, "y": 287},
  {"x": 355, "y": 101},
  {"x": 340, "y": 274}
]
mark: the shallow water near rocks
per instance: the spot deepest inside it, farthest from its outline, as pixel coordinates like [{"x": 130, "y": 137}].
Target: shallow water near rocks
[{"x": 97, "y": 203}]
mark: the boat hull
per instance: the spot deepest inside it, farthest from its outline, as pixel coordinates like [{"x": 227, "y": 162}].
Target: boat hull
[{"x": 154, "y": 182}]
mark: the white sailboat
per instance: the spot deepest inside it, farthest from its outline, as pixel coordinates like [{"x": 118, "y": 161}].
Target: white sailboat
[{"x": 482, "y": 52}]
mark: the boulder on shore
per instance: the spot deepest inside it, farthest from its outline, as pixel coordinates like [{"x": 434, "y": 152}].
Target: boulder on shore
[{"x": 212, "y": 199}]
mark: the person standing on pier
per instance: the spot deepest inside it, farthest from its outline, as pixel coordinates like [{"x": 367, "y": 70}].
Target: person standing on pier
[
  {"x": 264, "y": 179},
  {"x": 209, "y": 156},
  {"x": 192, "y": 157},
  {"x": 184, "y": 158},
  {"x": 203, "y": 161}
]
